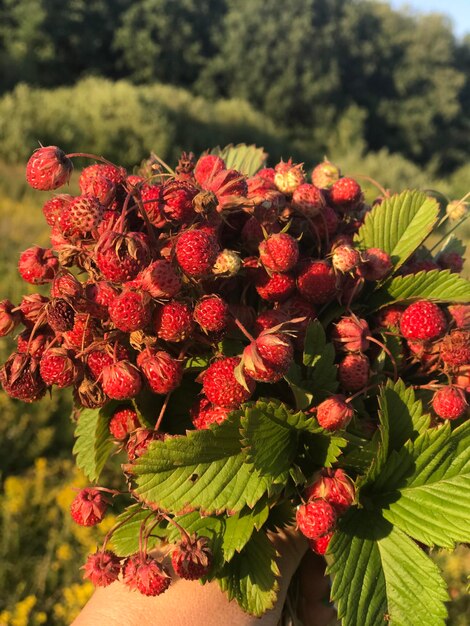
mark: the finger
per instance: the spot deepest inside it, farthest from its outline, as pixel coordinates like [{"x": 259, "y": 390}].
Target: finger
[{"x": 314, "y": 606}]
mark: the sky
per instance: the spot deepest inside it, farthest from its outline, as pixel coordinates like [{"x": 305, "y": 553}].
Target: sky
[{"x": 458, "y": 11}]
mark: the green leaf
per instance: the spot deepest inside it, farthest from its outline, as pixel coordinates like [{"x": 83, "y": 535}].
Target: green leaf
[
  {"x": 94, "y": 444},
  {"x": 441, "y": 286},
  {"x": 315, "y": 341},
  {"x": 324, "y": 449},
  {"x": 204, "y": 470},
  {"x": 302, "y": 389},
  {"x": 399, "y": 225},
  {"x": 380, "y": 575},
  {"x": 251, "y": 576},
  {"x": 424, "y": 488},
  {"x": 125, "y": 539},
  {"x": 240, "y": 527},
  {"x": 245, "y": 159}
]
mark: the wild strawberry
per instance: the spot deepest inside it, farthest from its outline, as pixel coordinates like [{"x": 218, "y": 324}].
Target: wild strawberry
[
  {"x": 60, "y": 315},
  {"x": 222, "y": 388},
  {"x": 212, "y": 314},
  {"x": 116, "y": 175},
  {"x": 121, "y": 257},
  {"x": 207, "y": 168},
  {"x": 98, "y": 297},
  {"x": 353, "y": 372},
  {"x": 196, "y": 252},
  {"x": 123, "y": 422},
  {"x": 54, "y": 206},
  {"x": 89, "y": 507},
  {"x": 130, "y": 310},
  {"x": 345, "y": 258},
  {"x": 279, "y": 253},
  {"x": 35, "y": 343},
  {"x": 160, "y": 280},
  {"x": 9, "y": 318},
  {"x": 268, "y": 319},
  {"x": 100, "y": 358},
  {"x": 173, "y": 321},
  {"x": 325, "y": 174},
  {"x": 345, "y": 194},
  {"x": 139, "y": 440},
  {"x": 57, "y": 367},
  {"x": 452, "y": 261},
  {"x": 204, "y": 414},
  {"x": 228, "y": 185},
  {"x": 298, "y": 308},
  {"x": 334, "y": 486},
  {"x": 177, "y": 201},
  {"x": 455, "y": 348},
  {"x": 316, "y": 518},
  {"x": 423, "y": 320},
  {"x": 320, "y": 545},
  {"x": 325, "y": 224},
  {"x": 389, "y": 317},
  {"x": 82, "y": 333},
  {"x": 82, "y": 214},
  {"x": 268, "y": 358},
  {"x": 227, "y": 263},
  {"x": 334, "y": 413},
  {"x": 316, "y": 281},
  {"x": 32, "y": 308},
  {"x": 151, "y": 196},
  {"x": 308, "y": 200},
  {"x": 145, "y": 574},
  {"x": 38, "y": 265},
  {"x": 288, "y": 176},
  {"x": 276, "y": 287},
  {"x": 449, "y": 403},
  {"x": 460, "y": 314},
  {"x": 351, "y": 334},
  {"x": 162, "y": 372},
  {"x": 65, "y": 285},
  {"x": 121, "y": 380},
  {"x": 192, "y": 558},
  {"x": 100, "y": 187},
  {"x": 376, "y": 264},
  {"x": 48, "y": 168},
  {"x": 20, "y": 378},
  {"x": 102, "y": 568}
]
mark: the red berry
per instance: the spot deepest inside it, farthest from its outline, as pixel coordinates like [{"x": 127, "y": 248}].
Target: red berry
[
  {"x": 123, "y": 422},
  {"x": 423, "y": 320},
  {"x": 89, "y": 507},
  {"x": 460, "y": 314},
  {"x": 145, "y": 574},
  {"x": 57, "y": 367},
  {"x": 325, "y": 224},
  {"x": 100, "y": 358},
  {"x": 98, "y": 297},
  {"x": 151, "y": 196},
  {"x": 228, "y": 185},
  {"x": 334, "y": 413},
  {"x": 212, "y": 314},
  {"x": 268, "y": 319},
  {"x": 268, "y": 358},
  {"x": 288, "y": 176},
  {"x": 276, "y": 287},
  {"x": 82, "y": 333},
  {"x": 192, "y": 558},
  {"x": 121, "y": 380},
  {"x": 162, "y": 372},
  {"x": 308, "y": 200},
  {"x": 177, "y": 201},
  {"x": 389, "y": 317},
  {"x": 455, "y": 348},
  {"x": 222, "y": 388},
  {"x": 449, "y": 403},
  {"x": 316, "y": 282},
  {"x": 376, "y": 264},
  {"x": 325, "y": 174},
  {"x": 204, "y": 414},
  {"x": 173, "y": 321},
  {"x": 38, "y": 265},
  {"x": 351, "y": 334},
  {"x": 82, "y": 214},
  {"x": 130, "y": 310},
  {"x": 345, "y": 194},
  {"x": 334, "y": 486},
  {"x": 53, "y": 207},
  {"x": 116, "y": 175},
  {"x": 98, "y": 186},
  {"x": 279, "y": 252},
  {"x": 20, "y": 378},
  {"x": 102, "y": 568},
  {"x": 196, "y": 252},
  {"x": 160, "y": 280},
  {"x": 345, "y": 258},
  {"x": 33, "y": 344},
  {"x": 9, "y": 319},
  {"x": 207, "y": 168},
  {"x": 320, "y": 545},
  {"x": 353, "y": 372},
  {"x": 60, "y": 315},
  {"x": 316, "y": 518},
  {"x": 139, "y": 441},
  {"x": 32, "y": 308},
  {"x": 48, "y": 168},
  {"x": 121, "y": 257}
]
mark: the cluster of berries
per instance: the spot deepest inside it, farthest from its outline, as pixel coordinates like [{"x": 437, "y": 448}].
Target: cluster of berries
[{"x": 149, "y": 272}]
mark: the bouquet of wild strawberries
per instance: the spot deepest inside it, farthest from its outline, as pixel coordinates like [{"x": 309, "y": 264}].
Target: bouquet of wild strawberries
[{"x": 258, "y": 351}]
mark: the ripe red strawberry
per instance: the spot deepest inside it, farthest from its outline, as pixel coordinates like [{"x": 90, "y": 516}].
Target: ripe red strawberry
[
  {"x": 160, "y": 280},
  {"x": 268, "y": 358},
  {"x": 316, "y": 281},
  {"x": 102, "y": 568},
  {"x": 131, "y": 310},
  {"x": 334, "y": 486},
  {"x": 145, "y": 574},
  {"x": 423, "y": 320},
  {"x": 389, "y": 317},
  {"x": 89, "y": 507},
  {"x": 32, "y": 307},
  {"x": 82, "y": 333},
  {"x": 222, "y": 388},
  {"x": 212, "y": 314},
  {"x": 345, "y": 194},
  {"x": 316, "y": 518},
  {"x": 376, "y": 264},
  {"x": 100, "y": 187},
  {"x": 33, "y": 344},
  {"x": 123, "y": 422},
  {"x": 207, "y": 168},
  {"x": 320, "y": 545},
  {"x": 48, "y": 168},
  {"x": 353, "y": 372},
  {"x": 20, "y": 378},
  {"x": 139, "y": 440},
  {"x": 204, "y": 414},
  {"x": 455, "y": 348},
  {"x": 269, "y": 318},
  {"x": 116, "y": 175},
  {"x": 38, "y": 265},
  {"x": 325, "y": 174},
  {"x": 162, "y": 372},
  {"x": 121, "y": 257},
  {"x": 308, "y": 200},
  {"x": 177, "y": 201},
  {"x": 196, "y": 252},
  {"x": 325, "y": 224},
  {"x": 57, "y": 367},
  {"x": 151, "y": 196},
  {"x": 276, "y": 287},
  {"x": 192, "y": 558},
  {"x": 279, "y": 252},
  {"x": 101, "y": 357},
  {"x": 288, "y": 176},
  {"x": 82, "y": 214},
  {"x": 173, "y": 321},
  {"x": 121, "y": 380},
  {"x": 345, "y": 258},
  {"x": 460, "y": 314},
  {"x": 54, "y": 206},
  {"x": 334, "y": 413},
  {"x": 351, "y": 334},
  {"x": 228, "y": 185},
  {"x": 65, "y": 285},
  {"x": 9, "y": 318},
  {"x": 98, "y": 296},
  {"x": 449, "y": 403}
]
